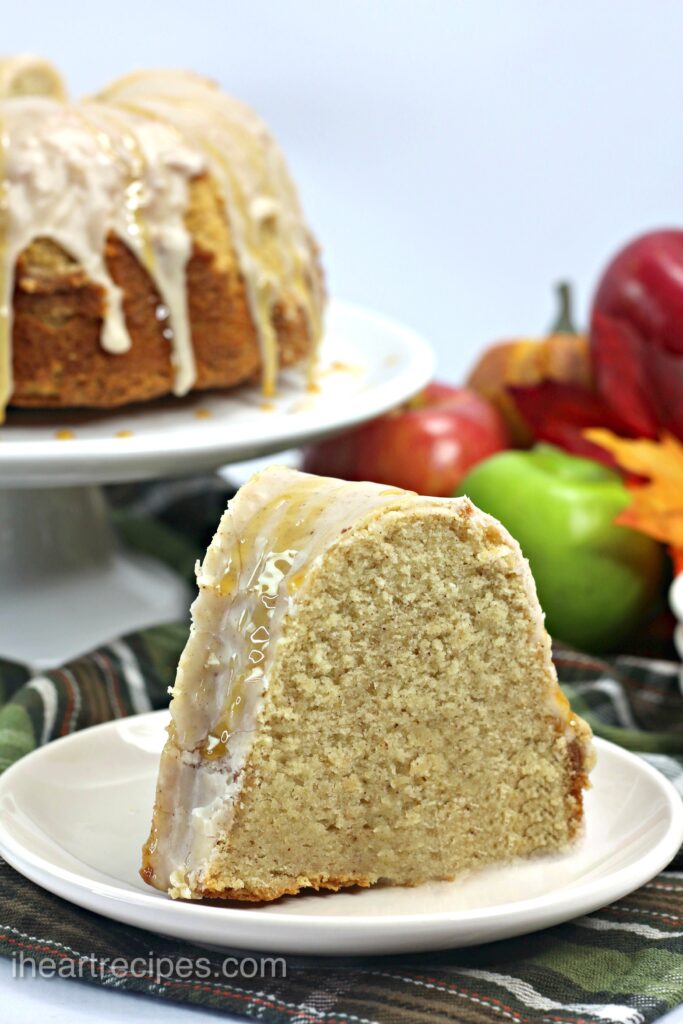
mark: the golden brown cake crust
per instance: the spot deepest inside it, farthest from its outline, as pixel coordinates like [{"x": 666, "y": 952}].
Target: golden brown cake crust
[
  {"x": 58, "y": 360},
  {"x": 265, "y": 895}
]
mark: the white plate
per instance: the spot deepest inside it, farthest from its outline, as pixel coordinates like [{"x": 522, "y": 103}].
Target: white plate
[
  {"x": 73, "y": 816},
  {"x": 368, "y": 364}
]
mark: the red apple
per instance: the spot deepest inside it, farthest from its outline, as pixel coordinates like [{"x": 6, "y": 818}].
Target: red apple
[
  {"x": 637, "y": 334},
  {"x": 426, "y": 446}
]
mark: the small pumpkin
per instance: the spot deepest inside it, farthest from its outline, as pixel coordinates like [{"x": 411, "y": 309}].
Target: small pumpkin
[{"x": 561, "y": 356}]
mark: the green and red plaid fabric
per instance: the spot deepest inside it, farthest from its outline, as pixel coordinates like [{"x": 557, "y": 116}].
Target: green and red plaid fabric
[{"x": 622, "y": 964}]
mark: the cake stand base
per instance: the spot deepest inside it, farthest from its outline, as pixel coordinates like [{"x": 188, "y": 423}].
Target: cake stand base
[{"x": 67, "y": 585}]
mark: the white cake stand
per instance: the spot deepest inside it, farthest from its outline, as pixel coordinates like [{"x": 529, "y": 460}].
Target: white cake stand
[{"x": 66, "y": 584}]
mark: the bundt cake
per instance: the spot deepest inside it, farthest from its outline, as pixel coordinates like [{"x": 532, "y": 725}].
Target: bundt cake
[
  {"x": 151, "y": 242},
  {"x": 367, "y": 695}
]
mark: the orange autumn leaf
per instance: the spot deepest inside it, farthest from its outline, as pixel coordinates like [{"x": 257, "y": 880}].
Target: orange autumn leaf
[{"x": 657, "y": 505}]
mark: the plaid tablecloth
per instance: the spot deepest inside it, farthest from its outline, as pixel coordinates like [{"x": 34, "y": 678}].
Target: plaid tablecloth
[{"x": 623, "y": 963}]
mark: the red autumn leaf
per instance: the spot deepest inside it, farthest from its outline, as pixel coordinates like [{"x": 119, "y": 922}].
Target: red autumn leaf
[{"x": 559, "y": 413}]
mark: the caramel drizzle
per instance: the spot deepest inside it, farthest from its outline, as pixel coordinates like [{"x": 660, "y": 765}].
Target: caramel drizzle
[
  {"x": 302, "y": 279},
  {"x": 288, "y": 522}
]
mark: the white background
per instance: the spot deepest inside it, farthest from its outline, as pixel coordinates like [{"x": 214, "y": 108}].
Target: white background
[{"x": 454, "y": 158}]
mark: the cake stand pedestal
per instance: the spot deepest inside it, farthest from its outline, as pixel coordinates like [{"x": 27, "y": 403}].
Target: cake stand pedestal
[{"x": 66, "y": 584}]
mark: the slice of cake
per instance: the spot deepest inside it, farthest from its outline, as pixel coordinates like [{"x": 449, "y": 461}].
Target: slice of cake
[{"x": 367, "y": 694}]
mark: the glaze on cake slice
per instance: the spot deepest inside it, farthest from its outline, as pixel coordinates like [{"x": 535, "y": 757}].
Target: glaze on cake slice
[{"x": 367, "y": 694}]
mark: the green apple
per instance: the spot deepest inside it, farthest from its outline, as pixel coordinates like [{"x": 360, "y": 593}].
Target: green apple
[{"x": 595, "y": 580}]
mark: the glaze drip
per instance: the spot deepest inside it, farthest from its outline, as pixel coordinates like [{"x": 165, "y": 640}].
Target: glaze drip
[
  {"x": 273, "y": 248},
  {"x": 121, "y": 163}
]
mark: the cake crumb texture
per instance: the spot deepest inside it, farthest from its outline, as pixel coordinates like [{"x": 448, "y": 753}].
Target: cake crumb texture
[{"x": 410, "y": 730}]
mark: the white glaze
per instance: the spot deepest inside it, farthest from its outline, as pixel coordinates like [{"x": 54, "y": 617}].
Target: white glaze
[
  {"x": 272, "y": 244},
  {"x": 121, "y": 163}
]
